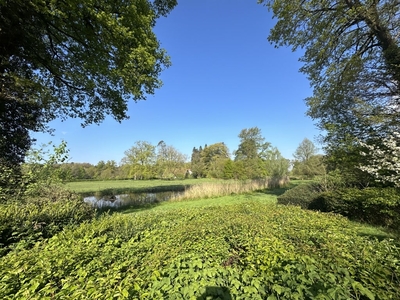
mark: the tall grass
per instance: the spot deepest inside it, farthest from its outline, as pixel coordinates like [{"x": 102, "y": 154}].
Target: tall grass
[{"x": 209, "y": 190}]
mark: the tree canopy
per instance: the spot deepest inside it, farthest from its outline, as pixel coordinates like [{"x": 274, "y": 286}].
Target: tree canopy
[
  {"x": 78, "y": 58},
  {"x": 352, "y": 59},
  {"x": 305, "y": 150}
]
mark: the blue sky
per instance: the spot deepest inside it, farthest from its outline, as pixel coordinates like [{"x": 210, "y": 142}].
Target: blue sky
[{"x": 225, "y": 76}]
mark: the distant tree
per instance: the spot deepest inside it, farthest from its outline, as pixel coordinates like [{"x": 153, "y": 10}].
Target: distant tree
[
  {"x": 213, "y": 159},
  {"x": 141, "y": 159},
  {"x": 229, "y": 171},
  {"x": 250, "y": 152},
  {"x": 170, "y": 162},
  {"x": 108, "y": 171},
  {"x": 314, "y": 166},
  {"x": 307, "y": 163},
  {"x": 305, "y": 151},
  {"x": 196, "y": 163},
  {"x": 275, "y": 164},
  {"x": 251, "y": 145}
]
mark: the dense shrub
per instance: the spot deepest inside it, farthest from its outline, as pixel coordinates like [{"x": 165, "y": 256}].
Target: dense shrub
[
  {"x": 301, "y": 195},
  {"x": 249, "y": 250},
  {"x": 29, "y": 220},
  {"x": 378, "y": 206}
]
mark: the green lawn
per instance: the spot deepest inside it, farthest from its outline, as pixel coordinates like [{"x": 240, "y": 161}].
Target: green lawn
[{"x": 121, "y": 186}]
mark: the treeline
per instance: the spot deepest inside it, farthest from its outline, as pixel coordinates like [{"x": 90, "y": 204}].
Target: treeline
[
  {"x": 86, "y": 171},
  {"x": 254, "y": 158}
]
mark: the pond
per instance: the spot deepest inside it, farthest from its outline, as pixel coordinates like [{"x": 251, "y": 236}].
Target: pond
[{"x": 132, "y": 199}]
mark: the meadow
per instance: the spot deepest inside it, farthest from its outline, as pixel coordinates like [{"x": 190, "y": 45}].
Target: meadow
[
  {"x": 132, "y": 186},
  {"x": 240, "y": 246},
  {"x": 194, "y": 188}
]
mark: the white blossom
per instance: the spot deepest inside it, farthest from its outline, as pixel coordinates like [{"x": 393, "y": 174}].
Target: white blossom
[{"x": 384, "y": 162}]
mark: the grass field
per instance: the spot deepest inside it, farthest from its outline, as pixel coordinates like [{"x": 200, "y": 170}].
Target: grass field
[
  {"x": 122, "y": 186},
  {"x": 113, "y": 187}
]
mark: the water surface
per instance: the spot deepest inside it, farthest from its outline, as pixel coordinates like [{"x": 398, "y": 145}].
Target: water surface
[{"x": 132, "y": 199}]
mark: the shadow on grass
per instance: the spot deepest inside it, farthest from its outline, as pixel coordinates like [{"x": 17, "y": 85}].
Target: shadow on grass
[
  {"x": 378, "y": 236},
  {"x": 137, "y": 190},
  {"x": 127, "y": 209},
  {"x": 216, "y": 292},
  {"x": 280, "y": 191},
  {"x": 380, "y": 233}
]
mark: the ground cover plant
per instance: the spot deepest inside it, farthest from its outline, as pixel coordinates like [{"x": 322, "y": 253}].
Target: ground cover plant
[
  {"x": 241, "y": 246},
  {"x": 23, "y": 222}
]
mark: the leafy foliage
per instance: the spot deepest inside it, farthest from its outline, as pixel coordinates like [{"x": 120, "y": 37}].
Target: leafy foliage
[
  {"x": 75, "y": 59},
  {"x": 378, "y": 206},
  {"x": 25, "y": 222},
  {"x": 244, "y": 251},
  {"x": 307, "y": 163},
  {"x": 146, "y": 161},
  {"x": 352, "y": 59},
  {"x": 301, "y": 195},
  {"x": 384, "y": 164},
  {"x": 39, "y": 172},
  {"x": 18, "y": 117},
  {"x": 170, "y": 161}
]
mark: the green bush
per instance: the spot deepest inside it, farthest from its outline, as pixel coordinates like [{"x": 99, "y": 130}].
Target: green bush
[
  {"x": 301, "y": 195},
  {"x": 30, "y": 220},
  {"x": 250, "y": 250},
  {"x": 377, "y": 206}
]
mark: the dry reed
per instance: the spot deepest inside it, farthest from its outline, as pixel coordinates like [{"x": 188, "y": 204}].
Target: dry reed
[{"x": 209, "y": 190}]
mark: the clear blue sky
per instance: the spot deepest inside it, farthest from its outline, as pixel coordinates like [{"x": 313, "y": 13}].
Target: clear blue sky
[{"x": 225, "y": 76}]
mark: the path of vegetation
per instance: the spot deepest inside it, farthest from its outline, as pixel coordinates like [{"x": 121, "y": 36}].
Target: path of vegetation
[{"x": 234, "y": 247}]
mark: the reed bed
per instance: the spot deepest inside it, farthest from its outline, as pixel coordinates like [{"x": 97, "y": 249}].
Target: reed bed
[{"x": 209, "y": 190}]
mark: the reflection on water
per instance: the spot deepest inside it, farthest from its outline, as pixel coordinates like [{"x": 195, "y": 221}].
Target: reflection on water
[{"x": 129, "y": 199}]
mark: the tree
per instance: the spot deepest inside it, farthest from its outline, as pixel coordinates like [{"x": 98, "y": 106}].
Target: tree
[
  {"x": 251, "y": 151},
  {"x": 169, "y": 160},
  {"x": 305, "y": 151},
  {"x": 40, "y": 170},
  {"x": 141, "y": 159},
  {"x": 307, "y": 162},
  {"x": 252, "y": 144},
  {"x": 79, "y": 58},
  {"x": 213, "y": 159},
  {"x": 384, "y": 163},
  {"x": 352, "y": 59},
  {"x": 196, "y": 164},
  {"x": 275, "y": 164}
]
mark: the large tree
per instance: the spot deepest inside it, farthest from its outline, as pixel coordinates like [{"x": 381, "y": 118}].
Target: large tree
[
  {"x": 352, "y": 59},
  {"x": 76, "y": 58}
]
